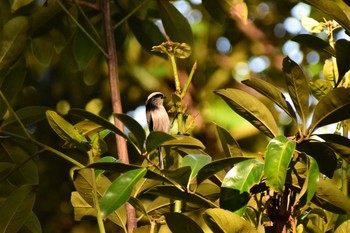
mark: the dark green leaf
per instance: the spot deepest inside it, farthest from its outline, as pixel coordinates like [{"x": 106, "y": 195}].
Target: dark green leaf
[
  {"x": 184, "y": 141},
  {"x": 97, "y": 119},
  {"x": 178, "y": 222},
  {"x": 315, "y": 43},
  {"x": 342, "y": 49},
  {"x": 155, "y": 139},
  {"x": 215, "y": 10},
  {"x": 32, "y": 225},
  {"x": 332, "y": 108},
  {"x": 120, "y": 190},
  {"x": 66, "y": 131},
  {"x": 250, "y": 108},
  {"x": 196, "y": 162},
  {"x": 332, "y": 8},
  {"x": 147, "y": 33},
  {"x": 228, "y": 143},
  {"x": 175, "y": 24},
  {"x": 210, "y": 169},
  {"x": 17, "y": 4},
  {"x": 271, "y": 92},
  {"x": 176, "y": 194},
  {"x": 16, "y": 208},
  {"x": 10, "y": 84},
  {"x": 298, "y": 88},
  {"x": 237, "y": 184},
  {"x": 278, "y": 155},
  {"x": 84, "y": 50},
  {"x": 138, "y": 205},
  {"x": 43, "y": 49},
  {"x": 106, "y": 159},
  {"x": 311, "y": 181},
  {"x": 28, "y": 115},
  {"x": 135, "y": 128},
  {"x": 329, "y": 197},
  {"x": 180, "y": 175},
  {"x": 338, "y": 143},
  {"x": 14, "y": 37},
  {"x": 121, "y": 167},
  {"x": 221, "y": 221}
]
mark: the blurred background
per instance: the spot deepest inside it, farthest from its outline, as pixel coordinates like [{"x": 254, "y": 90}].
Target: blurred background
[{"x": 226, "y": 51}]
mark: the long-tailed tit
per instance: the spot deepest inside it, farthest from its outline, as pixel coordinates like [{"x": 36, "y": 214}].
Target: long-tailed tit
[{"x": 157, "y": 118}]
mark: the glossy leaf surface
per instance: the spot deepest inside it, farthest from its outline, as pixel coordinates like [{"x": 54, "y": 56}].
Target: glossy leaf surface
[
  {"x": 278, "y": 155},
  {"x": 13, "y": 40},
  {"x": 16, "y": 208},
  {"x": 271, "y": 92},
  {"x": 175, "y": 24},
  {"x": 97, "y": 119},
  {"x": 332, "y": 108},
  {"x": 324, "y": 155},
  {"x": 155, "y": 139},
  {"x": 28, "y": 115},
  {"x": 217, "y": 165},
  {"x": 298, "y": 88},
  {"x": 315, "y": 43},
  {"x": 342, "y": 49},
  {"x": 251, "y": 109},
  {"x": 135, "y": 128},
  {"x": 235, "y": 188},
  {"x": 120, "y": 190},
  {"x": 195, "y": 162},
  {"x": 221, "y": 221},
  {"x": 66, "y": 131},
  {"x": 184, "y": 141},
  {"x": 178, "y": 222},
  {"x": 229, "y": 144}
]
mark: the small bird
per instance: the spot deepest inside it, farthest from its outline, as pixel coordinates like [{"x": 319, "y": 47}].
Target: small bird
[{"x": 157, "y": 118}]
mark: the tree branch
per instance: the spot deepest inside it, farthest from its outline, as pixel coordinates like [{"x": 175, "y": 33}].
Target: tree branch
[{"x": 116, "y": 100}]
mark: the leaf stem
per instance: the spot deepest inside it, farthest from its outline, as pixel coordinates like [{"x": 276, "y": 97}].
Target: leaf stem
[
  {"x": 176, "y": 75},
  {"x": 189, "y": 80}
]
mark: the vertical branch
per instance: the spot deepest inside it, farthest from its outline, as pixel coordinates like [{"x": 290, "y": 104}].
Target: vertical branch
[
  {"x": 116, "y": 100},
  {"x": 344, "y": 163}
]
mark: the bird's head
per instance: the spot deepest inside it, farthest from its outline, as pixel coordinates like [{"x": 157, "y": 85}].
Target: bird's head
[{"x": 155, "y": 98}]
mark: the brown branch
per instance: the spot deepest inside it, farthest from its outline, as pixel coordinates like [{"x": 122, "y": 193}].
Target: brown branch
[{"x": 116, "y": 100}]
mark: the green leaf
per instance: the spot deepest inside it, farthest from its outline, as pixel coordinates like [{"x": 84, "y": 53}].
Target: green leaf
[
  {"x": 155, "y": 139},
  {"x": 331, "y": 109},
  {"x": 251, "y": 109},
  {"x": 319, "y": 88},
  {"x": 97, "y": 119},
  {"x": 43, "y": 49},
  {"x": 342, "y": 49},
  {"x": 135, "y": 128},
  {"x": 66, "y": 131},
  {"x": 237, "y": 183},
  {"x": 338, "y": 143},
  {"x": 16, "y": 209},
  {"x": 32, "y": 225},
  {"x": 315, "y": 43},
  {"x": 178, "y": 222},
  {"x": 28, "y": 115},
  {"x": 184, "y": 141},
  {"x": 215, "y": 9},
  {"x": 106, "y": 159},
  {"x": 84, "y": 50},
  {"x": 179, "y": 175},
  {"x": 344, "y": 227},
  {"x": 221, "y": 221},
  {"x": 14, "y": 37},
  {"x": 196, "y": 162},
  {"x": 330, "y": 198},
  {"x": 271, "y": 92},
  {"x": 210, "y": 169},
  {"x": 229, "y": 144},
  {"x": 324, "y": 155},
  {"x": 176, "y": 194},
  {"x": 120, "y": 190},
  {"x": 11, "y": 84},
  {"x": 298, "y": 88},
  {"x": 311, "y": 181},
  {"x": 332, "y": 9},
  {"x": 147, "y": 33},
  {"x": 278, "y": 155},
  {"x": 175, "y": 24},
  {"x": 17, "y": 4}
]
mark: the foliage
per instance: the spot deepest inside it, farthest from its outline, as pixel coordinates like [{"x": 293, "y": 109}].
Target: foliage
[{"x": 291, "y": 184}]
